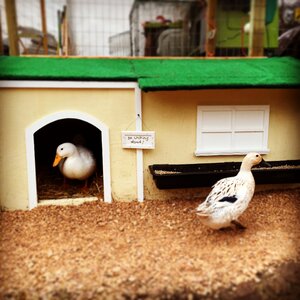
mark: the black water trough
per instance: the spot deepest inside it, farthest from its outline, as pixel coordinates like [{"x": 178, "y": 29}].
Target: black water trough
[{"x": 167, "y": 176}]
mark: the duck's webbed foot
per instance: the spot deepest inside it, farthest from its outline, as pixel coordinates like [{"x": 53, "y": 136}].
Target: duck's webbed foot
[
  {"x": 238, "y": 225},
  {"x": 65, "y": 183},
  {"x": 224, "y": 229},
  {"x": 85, "y": 188}
]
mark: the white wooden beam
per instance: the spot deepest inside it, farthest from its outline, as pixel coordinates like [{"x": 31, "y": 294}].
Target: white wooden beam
[{"x": 139, "y": 152}]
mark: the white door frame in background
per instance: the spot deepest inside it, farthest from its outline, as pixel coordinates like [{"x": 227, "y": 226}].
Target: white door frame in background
[{"x": 30, "y": 150}]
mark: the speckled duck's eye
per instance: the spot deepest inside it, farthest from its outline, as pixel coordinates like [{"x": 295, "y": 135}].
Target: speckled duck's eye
[{"x": 257, "y": 155}]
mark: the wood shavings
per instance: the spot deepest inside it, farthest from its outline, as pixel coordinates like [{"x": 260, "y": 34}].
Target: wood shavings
[
  {"x": 164, "y": 172},
  {"x": 53, "y": 187},
  {"x": 151, "y": 250}
]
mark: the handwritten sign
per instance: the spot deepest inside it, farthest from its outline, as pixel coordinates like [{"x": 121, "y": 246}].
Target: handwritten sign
[{"x": 138, "y": 139}]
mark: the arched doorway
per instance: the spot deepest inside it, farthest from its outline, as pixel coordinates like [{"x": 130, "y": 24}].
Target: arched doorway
[{"x": 46, "y": 134}]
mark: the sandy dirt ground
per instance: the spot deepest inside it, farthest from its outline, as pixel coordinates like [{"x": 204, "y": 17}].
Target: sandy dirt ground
[{"x": 151, "y": 250}]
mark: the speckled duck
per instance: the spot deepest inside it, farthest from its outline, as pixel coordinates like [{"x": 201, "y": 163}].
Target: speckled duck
[{"x": 230, "y": 196}]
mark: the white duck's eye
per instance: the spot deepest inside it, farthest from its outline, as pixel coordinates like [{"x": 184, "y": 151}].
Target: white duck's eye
[{"x": 61, "y": 148}]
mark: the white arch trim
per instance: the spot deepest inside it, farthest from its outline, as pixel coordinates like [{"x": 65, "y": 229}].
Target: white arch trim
[{"x": 30, "y": 151}]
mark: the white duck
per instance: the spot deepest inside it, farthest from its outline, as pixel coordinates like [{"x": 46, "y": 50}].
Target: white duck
[
  {"x": 75, "y": 162},
  {"x": 230, "y": 196}
]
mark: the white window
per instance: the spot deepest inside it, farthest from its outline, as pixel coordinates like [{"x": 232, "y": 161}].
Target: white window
[{"x": 228, "y": 130}]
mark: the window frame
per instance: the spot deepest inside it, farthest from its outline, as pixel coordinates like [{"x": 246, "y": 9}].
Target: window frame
[{"x": 232, "y": 151}]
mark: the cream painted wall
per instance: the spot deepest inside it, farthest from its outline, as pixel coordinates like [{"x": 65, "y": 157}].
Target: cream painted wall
[
  {"x": 173, "y": 116},
  {"x": 19, "y": 108}
]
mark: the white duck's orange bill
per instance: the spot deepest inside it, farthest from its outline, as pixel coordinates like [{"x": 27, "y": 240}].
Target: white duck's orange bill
[{"x": 57, "y": 160}]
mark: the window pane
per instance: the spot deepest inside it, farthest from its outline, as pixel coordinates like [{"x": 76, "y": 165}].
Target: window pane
[
  {"x": 249, "y": 120},
  {"x": 216, "y": 141},
  {"x": 216, "y": 120},
  {"x": 248, "y": 140}
]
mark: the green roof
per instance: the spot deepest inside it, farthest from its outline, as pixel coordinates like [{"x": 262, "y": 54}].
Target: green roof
[{"x": 159, "y": 74}]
